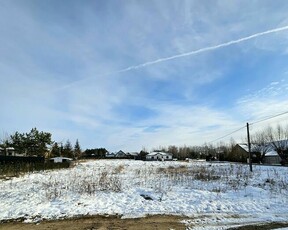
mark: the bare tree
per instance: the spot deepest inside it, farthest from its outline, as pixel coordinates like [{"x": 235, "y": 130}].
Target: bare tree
[
  {"x": 260, "y": 144},
  {"x": 279, "y": 139},
  {"x": 5, "y": 140},
  {"x": 173, "y": 150}
]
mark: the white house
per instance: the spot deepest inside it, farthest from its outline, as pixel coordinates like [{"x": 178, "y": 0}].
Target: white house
[
  {"x": 159, "y": 156},
  {"x": 60, "y": 159},
  {"x": 10, "y": 151}
]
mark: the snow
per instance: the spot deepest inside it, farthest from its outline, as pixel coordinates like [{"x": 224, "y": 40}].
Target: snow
[
  {"x": 158, "y": 153},
  {"x": 60, "y": 159},
  {"x": 271, "y": 153},
  {"x": 207, "y": 195}
]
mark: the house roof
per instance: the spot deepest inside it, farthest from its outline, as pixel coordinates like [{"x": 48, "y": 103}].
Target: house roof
[
  {"x": 58, "y": 158},
  {"x": 269, "y": 148},
  {"x": 10, "y": 148},
  {"x": 271, "y": 153},
  {"x": 120, "y": 153},
  {"x": 133, "y": 154},
  {"x": 245, "y": 147},
  {"x": 159, "y": 153}
]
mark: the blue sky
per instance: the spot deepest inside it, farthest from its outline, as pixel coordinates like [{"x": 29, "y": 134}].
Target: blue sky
[{"x": 65, "y": 69}]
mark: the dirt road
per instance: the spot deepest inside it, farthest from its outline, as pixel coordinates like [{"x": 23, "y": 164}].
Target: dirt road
[
  {"x": 102, "y": 223},
  {"x": 158, "y": 222}
]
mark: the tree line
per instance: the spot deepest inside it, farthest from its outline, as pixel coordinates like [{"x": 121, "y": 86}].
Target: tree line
[
  {"x": 263, "y": 141},
  {"x": 66, "y": 150},
  {"x": 40, "y": 143}
]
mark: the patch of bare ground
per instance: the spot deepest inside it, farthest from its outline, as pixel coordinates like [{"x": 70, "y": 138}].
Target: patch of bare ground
[
  {"x": 266, "y": 226},
  {"x": 155, "y": 222},
  {"x": 158, "y": 222}
]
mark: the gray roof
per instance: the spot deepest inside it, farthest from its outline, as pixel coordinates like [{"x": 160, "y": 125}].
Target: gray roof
[
  {"x": 134, "y": 154},
  {"x": 159, "y": 153},
  {"x": 66, "y": 158},
  {"x": 271, "y": 153}
]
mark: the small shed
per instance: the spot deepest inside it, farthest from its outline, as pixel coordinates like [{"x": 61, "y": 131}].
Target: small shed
[
  {"x": 60, "y": 159},
  {"x": 272, "y": 158},
  {"x": 159, "y": 156},
  {"x": 10, "y": 151}
]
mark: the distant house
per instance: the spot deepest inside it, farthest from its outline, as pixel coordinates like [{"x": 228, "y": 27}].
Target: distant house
[
  {"x": 121, "y": 154},
  {"x": 9, "y": 155},
  {"x": 159, "y": 156},
  {"x": 241, "y": 153},
  {"x": 9, "y": 151},
  {"x": 272, "y": 158},
  {"x": 133, "y": 155},
  {"x": 110, "y": 155},
  {"x": 60, "y": 159}
]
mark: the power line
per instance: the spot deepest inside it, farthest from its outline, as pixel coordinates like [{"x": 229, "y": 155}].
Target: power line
[
  {"x": 252, "y": 123},
  {"x": 219, "y": 138},
  {"x": 268, "y": 118}
]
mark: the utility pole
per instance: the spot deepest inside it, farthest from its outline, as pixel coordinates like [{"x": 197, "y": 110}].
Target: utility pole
[{"x": 249, "y": 147}]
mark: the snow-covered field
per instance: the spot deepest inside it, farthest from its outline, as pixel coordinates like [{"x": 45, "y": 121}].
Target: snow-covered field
[{"x": 211, "y": 196}]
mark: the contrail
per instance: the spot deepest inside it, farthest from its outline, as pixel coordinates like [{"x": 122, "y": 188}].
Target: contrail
[{"x": 202, "y": 50}]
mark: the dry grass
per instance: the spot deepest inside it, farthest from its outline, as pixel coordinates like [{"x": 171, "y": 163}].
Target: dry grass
[
  {"x": 82, "y": 184},
  {"x": 109, "y": 178},
  {"x": 119, "y": 169}
]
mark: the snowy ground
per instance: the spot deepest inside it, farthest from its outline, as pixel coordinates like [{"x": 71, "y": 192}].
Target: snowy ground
[{"x": 211, "y": 196}]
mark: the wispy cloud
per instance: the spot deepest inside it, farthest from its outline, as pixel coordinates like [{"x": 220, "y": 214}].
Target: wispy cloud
[
  {"x": 268, "y": 101},
  {"x": 210, "y": 48},
  {"x": 195, "y": 52},
  {"x": 73, "y": 69}
]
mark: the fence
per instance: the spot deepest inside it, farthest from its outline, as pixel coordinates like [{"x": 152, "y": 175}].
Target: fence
[{"x": 14, "y": 166}]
